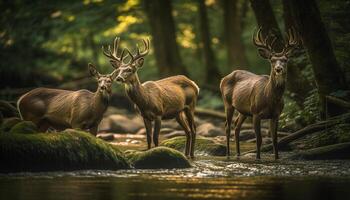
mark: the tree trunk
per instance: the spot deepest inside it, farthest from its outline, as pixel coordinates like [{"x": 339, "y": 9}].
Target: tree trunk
[
  {"x": 266, "y": 20},
  {"x": 162, "y": 25},
  {"x": 233, "y": 31},
  {"x": 296, "y": 83},
  {"x": 328, "y": 74},
  {"x": 212, "y": 73}
]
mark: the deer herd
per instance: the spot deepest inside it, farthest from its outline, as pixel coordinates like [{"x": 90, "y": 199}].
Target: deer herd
[{"x": 175, "y": 97}]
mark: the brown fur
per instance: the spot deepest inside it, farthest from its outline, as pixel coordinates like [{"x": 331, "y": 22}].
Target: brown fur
[
  {"x": 172, "y": 97},
  {"x": 259, "y": 96},
  {"x": 61, "y": 109}
]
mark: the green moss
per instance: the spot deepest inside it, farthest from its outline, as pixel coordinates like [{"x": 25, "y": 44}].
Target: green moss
[
  {"x": 24, "y": 127},
  {"x": 157, "y": 158},
  {"x": 68, "y": 150},
  {"x": 8, "y": 123},
  {"x": 202, "y": 146}
]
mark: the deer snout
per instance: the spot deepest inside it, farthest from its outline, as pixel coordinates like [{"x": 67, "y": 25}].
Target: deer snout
[
  {"x": 103, "y": 87},
  {"x": 279, "y": 69}
]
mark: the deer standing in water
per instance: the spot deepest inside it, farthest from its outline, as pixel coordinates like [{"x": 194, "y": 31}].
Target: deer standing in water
[
  {"x": 172, "y": 97},
  {"x": 259, "y": 96},
  {"x": 61, "y": 109}
]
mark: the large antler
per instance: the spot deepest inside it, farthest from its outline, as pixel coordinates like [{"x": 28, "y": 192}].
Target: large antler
[
  {"x": 292, "y": 41},
  {"x": 139, "y": 54},
  {"x": 263, "y": 43},
  {"x": 114, "y": 55}
]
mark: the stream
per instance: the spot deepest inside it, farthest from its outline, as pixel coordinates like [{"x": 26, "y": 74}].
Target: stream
[{"x": 209, "y": 178}]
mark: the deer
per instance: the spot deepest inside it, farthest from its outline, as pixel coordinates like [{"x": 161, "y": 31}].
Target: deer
[
  {"x": 168, "y": 98},
  {"x": 61, "y": 109},
  {"x": 258, "y": 96}
]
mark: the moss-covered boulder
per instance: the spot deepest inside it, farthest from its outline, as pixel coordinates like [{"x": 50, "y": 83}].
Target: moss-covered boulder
[
  {"x": 68, "y": 150},
  {"x": 8, "y": 123},
  {"x": 157, "y": 158},
  {"x": 335, "y": 151},
  {"x": 24, "y": 127},
  {"x": 203, "y": 146}
]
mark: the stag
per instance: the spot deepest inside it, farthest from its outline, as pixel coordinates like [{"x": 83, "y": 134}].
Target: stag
[
  {"x": 61, "y": 109},
  {"x": 172, "y": 97},
  {"x": 259, "y": 96}
]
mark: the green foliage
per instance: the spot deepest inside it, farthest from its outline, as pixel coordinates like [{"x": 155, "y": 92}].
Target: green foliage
[
  {"x": 157, "y": 158},
  {"x": 68, "y": 150},
  {"x": 293, "y": 117},
  {"x": 202, "y": 146},
  {"x": 209, "y": 100}
]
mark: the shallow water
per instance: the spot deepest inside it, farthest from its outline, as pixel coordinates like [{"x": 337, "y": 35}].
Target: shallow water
[{"x": 210, "y": 178}]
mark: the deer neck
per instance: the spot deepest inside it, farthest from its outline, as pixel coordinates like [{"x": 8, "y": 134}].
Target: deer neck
[
  {"x": 100, "y": 102},
  {"x": 275, "y": 86},
  {"x": 135, "y": 90}
]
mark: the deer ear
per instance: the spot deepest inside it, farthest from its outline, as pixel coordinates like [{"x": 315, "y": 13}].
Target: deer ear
[
  {"x": 93, "y": 71},
  {"x": 264, "y": 53},
  {"x": 139, "y": 62}
]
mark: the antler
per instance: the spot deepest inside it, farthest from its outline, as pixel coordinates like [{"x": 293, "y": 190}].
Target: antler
[
  {"x": 292, "y": 41},
  {"x": 261, "y": 42},
  {"x": 114, "y": 55},
  {"x": 139, "y": 54}
]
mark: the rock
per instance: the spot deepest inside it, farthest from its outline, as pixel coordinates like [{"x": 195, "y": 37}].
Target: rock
[
  {"x": 202, "y": 146},
  {"x": 8, "y": 123},
  {"x": 120, "y": 124},
  {"x": 209, "y": 130},
  {"x": 246, "y": 135},
  {"x": 265, "y": 140},
  {"x": 24, "y": 127},
  {"x": 157, "y": 158},
  {"x": 166, "y": 130},
  {"x": 174, "y": 134},
  {"x": 335, "y": 151},
  {"x": 64, "y": 151},
  {"x": 106, "y": 136},
  {"x": 170, "y": 124},
  {"x": 142, "y": 131}
]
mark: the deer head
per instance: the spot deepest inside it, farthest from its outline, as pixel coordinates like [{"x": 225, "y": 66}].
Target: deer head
[
  {"x": 104, "y": 80},
  {"x": 127, "y": 69},
  {"x": 278, "y": 60}
]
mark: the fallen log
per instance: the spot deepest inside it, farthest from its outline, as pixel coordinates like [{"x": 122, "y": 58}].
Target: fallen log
[
  {"x": 335, "y": 151},
  {"x": 338, "y": 102},
  {"x": 319, "y": 126},
  {"x": 202, "y": 112}
]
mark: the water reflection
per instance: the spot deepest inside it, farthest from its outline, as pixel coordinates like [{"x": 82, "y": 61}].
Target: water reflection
[{"x": 213, "y": 178}]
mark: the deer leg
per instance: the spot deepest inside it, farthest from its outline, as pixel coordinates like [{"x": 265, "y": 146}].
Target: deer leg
[
  {"x": 256, "y": 124},
  {"x": 190, "y": 120},
  {"x": 157, "y": 124},
  {"x": 148, "y": 126},
  {"x": 181, "y": 120},
  {"x": 238, "y": 124},
  {"x": 273, "y": 131},
  {"x": 229, "y": 114}
]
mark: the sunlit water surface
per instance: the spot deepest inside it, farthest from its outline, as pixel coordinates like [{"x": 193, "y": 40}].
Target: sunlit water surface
[{"x": 210, "y": 178}]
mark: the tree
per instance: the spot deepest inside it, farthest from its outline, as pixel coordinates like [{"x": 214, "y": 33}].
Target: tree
[
  {"x": 233, "y": 31},
  {"x": 266, "y": 19},
  {"x": 212, "y": 72},
  {"x": 328, "y": 74},
  {"x": 296, "y": 83},
  {"x": 166, "y": 51}
]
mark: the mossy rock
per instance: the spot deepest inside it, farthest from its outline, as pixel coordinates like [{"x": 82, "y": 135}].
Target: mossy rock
[
  {"x": 8, "y": 123},
  {"x": 335, "y": 151},
  {"x": 24, "y": 127},
  {"x": 157, "y": 158},
  {"x": 64, "y": 151},
  {"x": 202, "y": 146}
]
